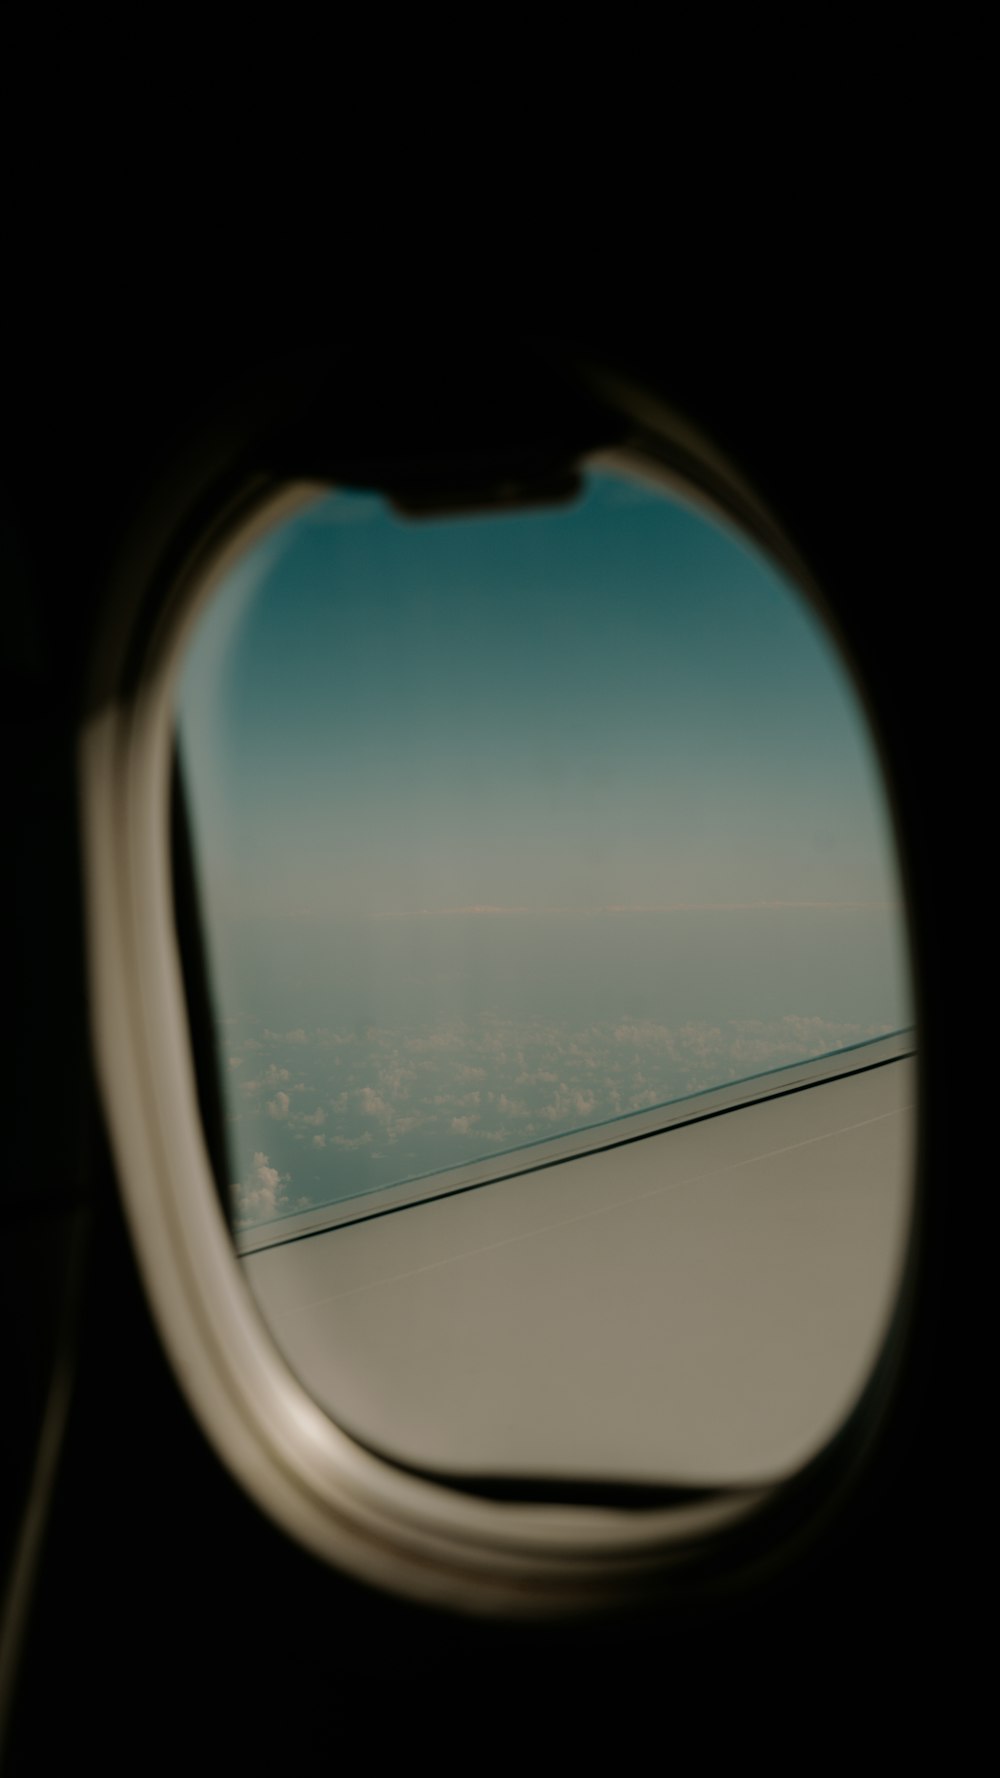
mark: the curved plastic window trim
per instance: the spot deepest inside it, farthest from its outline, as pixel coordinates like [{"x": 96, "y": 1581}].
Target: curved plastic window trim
[{"x": 383, "y": 1525}]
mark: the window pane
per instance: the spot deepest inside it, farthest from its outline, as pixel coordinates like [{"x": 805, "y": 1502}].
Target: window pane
[{"x": 508, "y": 827}]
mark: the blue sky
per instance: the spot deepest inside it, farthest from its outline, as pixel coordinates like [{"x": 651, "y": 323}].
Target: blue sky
[{"x": 581, "y": 765}]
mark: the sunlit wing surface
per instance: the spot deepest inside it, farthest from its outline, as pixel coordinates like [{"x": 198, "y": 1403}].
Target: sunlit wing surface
[{"x": 697, "y": 1305}]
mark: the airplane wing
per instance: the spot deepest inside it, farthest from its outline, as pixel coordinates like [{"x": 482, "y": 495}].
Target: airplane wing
[{"x": 696, "y": 1301}]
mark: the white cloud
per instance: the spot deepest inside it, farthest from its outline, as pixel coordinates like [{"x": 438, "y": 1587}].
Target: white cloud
[
  {"x": 412, "y": 1121},
  {"x": 262, "y": 1194},
  {"x": 317, "y": 1117},
  {"x": 278, "y": 1106},
  {"x": 513, "y": 1107},
  {"x": 272, "y": 1077},
  {"x": 370, "y": 1103},
  {"x": 395, "y": 1080}
]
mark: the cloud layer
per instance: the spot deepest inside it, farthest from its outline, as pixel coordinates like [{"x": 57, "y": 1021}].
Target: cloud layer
[{"x": 358, "y": 1110}]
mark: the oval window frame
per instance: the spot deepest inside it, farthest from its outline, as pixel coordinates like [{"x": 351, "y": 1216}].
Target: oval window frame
[{"x": 384, "y": 1525}]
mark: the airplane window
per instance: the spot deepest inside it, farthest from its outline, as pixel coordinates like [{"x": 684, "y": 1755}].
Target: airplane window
[{"x": 530, "y": 848}]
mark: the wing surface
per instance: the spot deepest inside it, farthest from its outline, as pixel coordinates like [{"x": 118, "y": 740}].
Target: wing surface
[{"x": 697, "y": 1304}]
